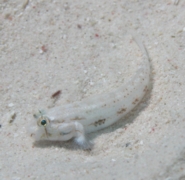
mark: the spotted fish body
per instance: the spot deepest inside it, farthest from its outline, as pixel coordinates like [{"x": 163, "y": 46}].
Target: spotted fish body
[{"x": 97, "y": 112}]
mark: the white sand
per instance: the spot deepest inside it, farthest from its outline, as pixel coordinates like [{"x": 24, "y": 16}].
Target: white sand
[{"x": 79, "y": 47}]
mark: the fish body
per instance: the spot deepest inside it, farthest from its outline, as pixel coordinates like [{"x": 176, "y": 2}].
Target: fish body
[{"x": 76, "y": 119}]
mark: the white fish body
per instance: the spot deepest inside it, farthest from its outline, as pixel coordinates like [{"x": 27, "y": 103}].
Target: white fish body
[{"x": 94, "y": 113}]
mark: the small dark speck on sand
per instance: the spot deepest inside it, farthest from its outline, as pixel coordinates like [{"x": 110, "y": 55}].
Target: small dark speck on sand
[
  {"x": 79, "y": 26},
  {"x": 56, "y": 94},
  {"x": 127, "y": 144}
]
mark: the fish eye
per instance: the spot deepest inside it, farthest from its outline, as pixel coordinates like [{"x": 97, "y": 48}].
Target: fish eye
[{"x": 43, "y": 121}]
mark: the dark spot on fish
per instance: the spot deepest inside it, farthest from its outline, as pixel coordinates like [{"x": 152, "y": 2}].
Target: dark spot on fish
[
  {"x": 99, "y": 122},
  {"x": 121, "y": 111},
  {"x": 135, "y": 101}
]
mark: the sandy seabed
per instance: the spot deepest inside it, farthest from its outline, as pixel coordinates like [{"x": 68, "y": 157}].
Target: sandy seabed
[{"x": 80, "y": 48}]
